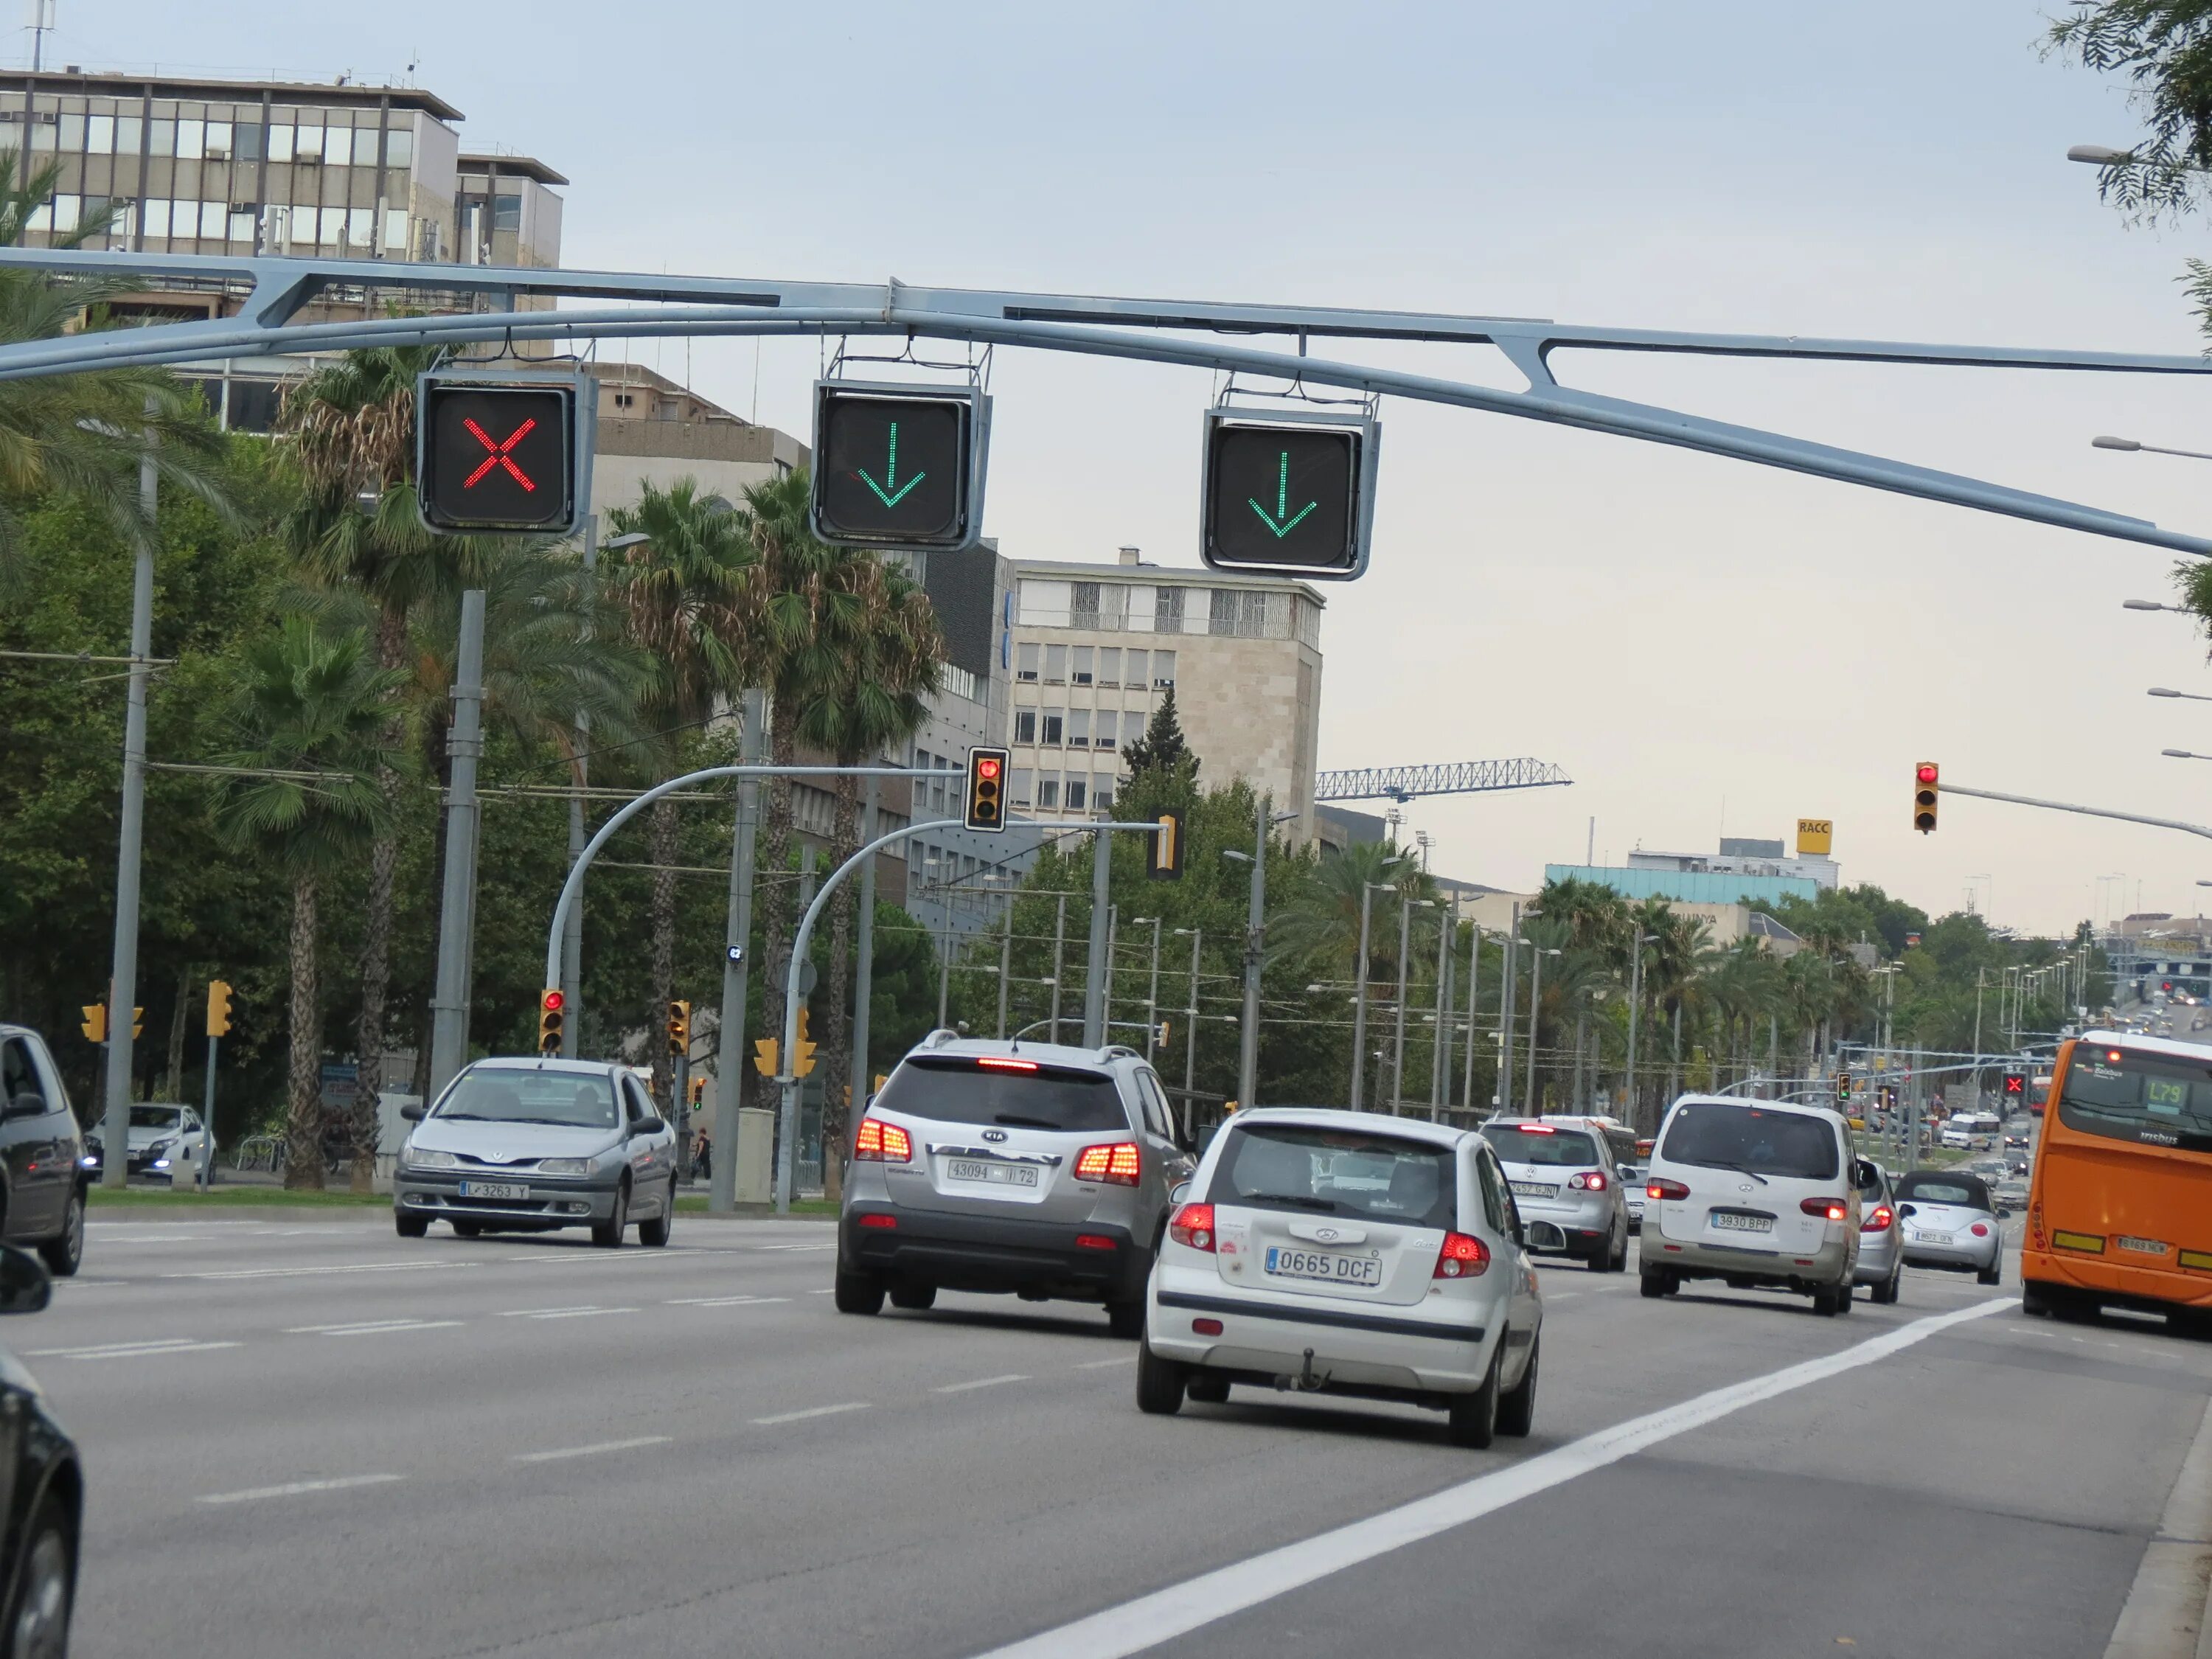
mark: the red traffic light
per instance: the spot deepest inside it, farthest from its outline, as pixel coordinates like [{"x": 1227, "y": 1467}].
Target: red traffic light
[
  {"x": 1926, "y": 773},
  {"x": 554, "y": 1001},
  {"x": 986, "y": 768}
]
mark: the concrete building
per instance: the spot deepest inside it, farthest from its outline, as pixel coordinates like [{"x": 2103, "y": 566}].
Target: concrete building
[
  {"x": 653, "y": 429},
  {"x": 1094, "y": 648},
  {"x": 1744, "y": 855}
]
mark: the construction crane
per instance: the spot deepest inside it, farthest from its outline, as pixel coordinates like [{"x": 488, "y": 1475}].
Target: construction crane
[{"x": 1403, "y": 783}]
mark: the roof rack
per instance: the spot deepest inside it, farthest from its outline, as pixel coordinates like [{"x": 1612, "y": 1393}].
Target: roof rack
[
  {"x": 1112, "y": 1049},
  {"x": 939, "y": 1037}
]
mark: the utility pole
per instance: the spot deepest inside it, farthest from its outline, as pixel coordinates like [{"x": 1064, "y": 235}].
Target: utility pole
[
  {"x": 1190, "y": 1039},
  {"x": 1255, "y": 923},
  {"x": 1635, "y": 1007},
  {"x": 1536, "y": 954},
  {"x": 1359, "y": 997},
  {"x": 1005, "y": 949},
  {"x": 1447, "y": 935},
  {"x": 449, "y": 1011},
  {"x": 1106, "y": 994},
  {"x": 123, "y": 985},
  {"x": 1981, "y": 973},
  {"x": 864, "y": 962},
  {"x": 1474, "y": 985},
  {"x": 1153, "y": 998},
  {"x": 1505, "y": 1091},
  {"x": 1398, "y": 1041},
  {"x": 1094, "y": 982},
  {"x": 1058, "y": 955},
  {"x": 737, "y": 965}
]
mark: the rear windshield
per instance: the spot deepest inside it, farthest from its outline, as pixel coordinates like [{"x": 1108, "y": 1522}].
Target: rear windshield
[
  {"x": 581, "y": 1100},
  {"x": 960, "y": 1090},
  {"x": 1757, "y": 1140},
  {"x": 1539, "y": 1143},
  {"x": 2156, "y": 1100},
  {"x": 1964, "y": 1190},
  {"x": 1280, "y": 1166}
]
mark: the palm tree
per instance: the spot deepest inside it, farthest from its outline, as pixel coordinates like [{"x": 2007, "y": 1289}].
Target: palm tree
[
  {"x": 682, "y": 589},
  {"x": 85, "y": 436},
  {"x": 307, "y": 724},
  {"x": 1320, "y": 924}
]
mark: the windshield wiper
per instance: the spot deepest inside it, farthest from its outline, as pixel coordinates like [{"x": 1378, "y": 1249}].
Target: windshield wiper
[
  {"x": 1742, "y": 1169},
  {"x": 1302, "y": 1200}
]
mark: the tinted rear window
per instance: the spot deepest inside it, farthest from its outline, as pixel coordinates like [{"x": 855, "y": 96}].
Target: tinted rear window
[
  {"x": 954, "y": 1090},
  {"x": 1571, "y": 1149},
  {"x": 1313, "y": 1171},
  {"x": 1755, "y": 1139},
  {"x": 1960, "y": 1190}
]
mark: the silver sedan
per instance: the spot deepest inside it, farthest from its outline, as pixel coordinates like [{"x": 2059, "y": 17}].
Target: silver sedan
[{"x": 1950, "y": 1221}]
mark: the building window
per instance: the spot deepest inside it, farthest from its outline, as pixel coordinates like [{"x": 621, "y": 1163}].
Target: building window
[
  {"x": 1049, "y": 794},
  {"x": 163, "y": 138},
  {"x": 338, "y": 147},
  {"x": 157, "y": 219},
  {"x": 1102, "y": 798},
  {"x": 1023, "y": 777},
  {"x": 1135, "y": 678},
  {"x": 399, "y": 147},
  {"x": 1078, "y": 728},
  {"x": 1167, "y": 611},
  {"x": 1110, "y": 664},
  {"x": 1078, "y": 664},
  {"x": 1026, "y": 725},
  {"x": 218, "y": 141},
  {"x": 1108, "y": 719},
  {"x": 99, "y": 135},
  {"x": 1025, "y": 660},
  {"x": 280, "y": 143},
  {"x": 72, "y": 133},
  {"x": 1083, "y": 610},
  {"x": 1239, "y": 613},
  {"x": 506, "y": 213},
  {"x": 1078, "y": 789},
  {"x": 1054, "y": 720},
  {"x": 1056, "y": 664},
  {"x": 1164, "y": 668}
]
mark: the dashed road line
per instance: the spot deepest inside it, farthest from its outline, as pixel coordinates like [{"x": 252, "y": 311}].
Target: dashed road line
[
  {"x": 812, "y": 1411},
  {"x": 982, "y": 1382},
  {"x": 130, "y": 1350},
  {"x": 721, "y": 1301},
  {"x": 311, "y": 1272},
  {"x": 1101, "y": 1364},
  {"x": 585, "y": 1312},
  {"x": 373, "y": 1327},
  {"x": 566, "y": 1452},
  {"x": 294, "y": 1488}
]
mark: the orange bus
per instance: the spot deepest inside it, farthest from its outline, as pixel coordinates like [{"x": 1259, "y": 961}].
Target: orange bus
[{"x": 2119, "y": 1212}]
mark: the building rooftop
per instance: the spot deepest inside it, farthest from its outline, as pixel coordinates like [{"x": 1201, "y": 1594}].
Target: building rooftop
[
  {"x": 1149, "y": 575},
  {"x": 511, "y": 167},
  {"x": 227, "y": 88}
]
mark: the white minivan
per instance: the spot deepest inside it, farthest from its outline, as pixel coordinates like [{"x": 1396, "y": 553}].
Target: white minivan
[{"x": 1754, "y": 1193}]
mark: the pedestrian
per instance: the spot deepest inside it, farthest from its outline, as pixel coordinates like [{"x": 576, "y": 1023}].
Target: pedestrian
[{"x": 703, "y": 1156}]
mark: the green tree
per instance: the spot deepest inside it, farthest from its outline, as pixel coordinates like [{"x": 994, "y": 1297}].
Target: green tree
[
  {"x": 308, "y": 719},
  {"x": 1162, "y": 744}
]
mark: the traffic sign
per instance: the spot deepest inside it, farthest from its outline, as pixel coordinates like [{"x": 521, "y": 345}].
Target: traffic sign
[
  {"x": 898, "y": 466},
  {"x": 1291, "y": 494},
  {"x": 499, "y": 450}
]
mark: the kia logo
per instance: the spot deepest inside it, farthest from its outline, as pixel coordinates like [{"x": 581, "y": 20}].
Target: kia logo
[{"x": 994, "y": 1134}]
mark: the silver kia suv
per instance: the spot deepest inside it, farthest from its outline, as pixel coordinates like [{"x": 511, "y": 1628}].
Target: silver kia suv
[{"x": 1000, "y": 1165}]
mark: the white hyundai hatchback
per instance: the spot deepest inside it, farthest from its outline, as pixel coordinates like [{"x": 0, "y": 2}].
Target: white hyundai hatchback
[
  {"x": 1753, "y": 1193},
  {"x": 1344, "y": 1253}
]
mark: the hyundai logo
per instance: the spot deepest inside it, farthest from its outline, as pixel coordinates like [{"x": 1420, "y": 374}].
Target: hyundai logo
[
  {"x": 994, "y": 1134},
  {"x": 1325, "y": 1235}
]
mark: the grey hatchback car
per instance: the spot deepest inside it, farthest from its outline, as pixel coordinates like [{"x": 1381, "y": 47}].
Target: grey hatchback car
[
  {"x": 1006, "y": 1166},
  {"x": 527, "y": 1146}
]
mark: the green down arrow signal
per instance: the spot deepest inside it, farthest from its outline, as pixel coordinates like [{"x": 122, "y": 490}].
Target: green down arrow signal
[
  {"x": 891, "y": 492},
  {"x": 1276, "y": 522}
]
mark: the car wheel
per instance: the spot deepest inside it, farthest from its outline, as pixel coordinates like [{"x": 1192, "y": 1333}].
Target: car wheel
[
  {"x": 858, "y": 1293},
  {"x": 608, "y": 1234},
  {"x": 1886, "y": 1292},
  {"x": 1159, "y": 1382},
  {"x": 1826, "y": 1302},
  {"x": 1474, "y": 1416},
  {"x": 1125, "y": 1319},
  {"x": 39, "y": 1621},
  {"x": 1992, "y": 1275},
  {"x": 409, "y": 1226},
  {"x": 1620, "y": 1264},
  {"x": 915, "y": 1298},
  {"x": 655, "y": 1233},
  {"x": 1516, "y": 1408},
  {"x": 1654, "y": 1282},
  {"x": 1844, "y": 1296},
  {"x": 468, "y": 1229},
  {"x": 2035, "y": 1299},
  {"x": 65, "y": 1252},
  {"x": 1208, "y": 1387}
]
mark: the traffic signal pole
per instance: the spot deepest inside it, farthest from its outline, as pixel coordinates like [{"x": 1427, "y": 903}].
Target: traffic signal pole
[
  {"x": 736, "y": 966},
  {"x": 449, "y": 1008}
]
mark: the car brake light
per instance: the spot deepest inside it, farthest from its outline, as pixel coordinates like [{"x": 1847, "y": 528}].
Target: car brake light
[
  {"x": 1094, "y": 1242},
  {"x": 879, "y": 1221},
  {"x": 992, "y": 1062},
  {"x": 878, "y": 1142},
  {"x": 1462, "y": 1257},
  {"x": 1193, "y": 1225},
  {"x": 1879, "y": 1220},
  {"x": 1117, "y": 1162},
  {"x": 1593, "y": 1181},
  {"x": 1207, "y": 1326},
  {"x": 1980, "y": 1230},
  {"x": 1828, "y": 1209},
  {"x": 1663, "y": 1188},
  {"x": 1537, "y": 1129}
]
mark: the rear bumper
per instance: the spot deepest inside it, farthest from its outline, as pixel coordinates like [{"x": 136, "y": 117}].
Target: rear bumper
[
  {"x": 992, "y": 1254},
  {"x": 2149, "y": 1288},
  {"x": 1968, "y": 1256},
  {"x": 1828, "y": 1264}
]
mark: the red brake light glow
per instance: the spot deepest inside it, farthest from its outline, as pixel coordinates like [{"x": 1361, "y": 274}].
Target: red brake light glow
[
  {"x": 1536, "y": 1129},
  {"x": 879, "y": 1221},
  {"x": 1094, "y": 1242},
  {"x": 1193, "y": 1225},
  {"x": 994, "y": 1063},
  {"x": 1462, "y": 1257},
  {"x": 1828, "y": 1209},
  {"x": 1593, "y": 1181},
  {"x": 1879, "y": 1221},
  {"x": 1115, "y": 1162},
  {"x": 1980, "y": 1230},
  {"x": 1664, "y": 1189},
  {"x": 878, "y": 1142}
]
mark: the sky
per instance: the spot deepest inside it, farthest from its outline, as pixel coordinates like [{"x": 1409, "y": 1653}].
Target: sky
[{"x": 1706, "y": 647}]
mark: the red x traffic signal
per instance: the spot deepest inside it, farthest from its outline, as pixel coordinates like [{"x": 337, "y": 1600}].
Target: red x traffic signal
[{"x": 497, "y": 454}]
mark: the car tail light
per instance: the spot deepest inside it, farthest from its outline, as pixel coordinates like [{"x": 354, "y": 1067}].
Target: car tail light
[
  {"x": 1980, "y": 1230},
  {"x": 994, "y": 1063},
  {"x": 1117, "y": 1162},
  {"x": 1193, "y": 1225},
  {"x": 878, "y": 1142},
  {"x": 1828, "y": 1209},
  {"x": 1666, "y": 1189},
  {"x": 1879, "y": 1221},
  {"x": 1592, "y": 1181},
  {"x": 1207, "y": 1326},
  {"x": 1095, "y": 1242},
  {"x": 1536, "y": 1129},
  {"x": 1462, "y": 1257},
  {"x": 879, "y": 1221}
]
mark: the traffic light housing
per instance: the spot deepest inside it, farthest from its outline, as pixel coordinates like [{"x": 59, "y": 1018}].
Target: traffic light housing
[
  {"x": 679, "y": 1029},
  {"x": 1843, "y": 1085},
  {"x": 552, "y": 1019},
  {"x": 218, "y": 1019},
  {"x": 501, "y": 451},
  {"x": 95, "y": 1022},
  {"x": 802, "y": 1051},
  {"x": 899, "y": 466},
  {"x": 1166, "y": 863},
  {"x": 986, "y": 789},
  {"x": 698, "y": 1093},
  {"x": 1289, "y": 493},
  {"x": 1926, "y": 786},
  {"x": 2015, "y": 1085},
  {"x": 764, "y": 1053}
]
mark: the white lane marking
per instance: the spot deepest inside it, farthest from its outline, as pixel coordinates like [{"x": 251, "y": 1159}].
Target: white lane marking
[
  {"x": 721, "y": 1301},
  {"x": 790, "y": 1247},
  {"x": 812, "y": 1411},
  {"x": 832, "y": 1291},
  {"x": 1101, "y": 1364},
  {"x": 982, "y": 1382},
  {"x": 1553, "y": 1297},
  {"x": 92, "y": 1284},
  {"x": 594, "y": 1450},
  {"x": 1117, "y": 1632},
  {"x": 129, "y": 1350},
  {"x": 292, "y": 1489},
  {"x": 155, "y": 1238},
  {"x": 587, "y": 1312},
  {"x": 310, "y": 1273},
  {"x": 372, "y": 1327}
]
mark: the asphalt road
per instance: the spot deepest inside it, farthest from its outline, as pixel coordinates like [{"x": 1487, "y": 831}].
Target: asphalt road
[{"x": 311, "y": 1437}]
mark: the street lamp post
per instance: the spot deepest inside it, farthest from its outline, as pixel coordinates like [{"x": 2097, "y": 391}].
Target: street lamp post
[
  {"x": 1511, "y": 949},
  {"x": 1255, "y": 939},
  {"x": 1446, "y": 934},
  {"x": 1474, "y": 984},
  {"x": 1367, "y": 891},
  {"x": 1190, "y": 1031},
  {"x": 1635, "y": 1001},
  {"x": 1152, "y": 995},
  {"x": 1536, "y": 955}
]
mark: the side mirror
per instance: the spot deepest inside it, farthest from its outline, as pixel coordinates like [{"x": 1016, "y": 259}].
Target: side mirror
[
  {"x": 1180, "y": 1192},
  {"x": 414, "y": 1113},
  {"x": 25, "y": 1284},
  {"x": 27, "y": 1104},
  {"x": 648, "y": 1126}
]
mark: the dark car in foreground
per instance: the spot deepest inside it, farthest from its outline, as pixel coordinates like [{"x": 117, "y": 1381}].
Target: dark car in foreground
[
  {"x": 43, "y": 1174},
  {"x": 44, "y": 1505}
]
